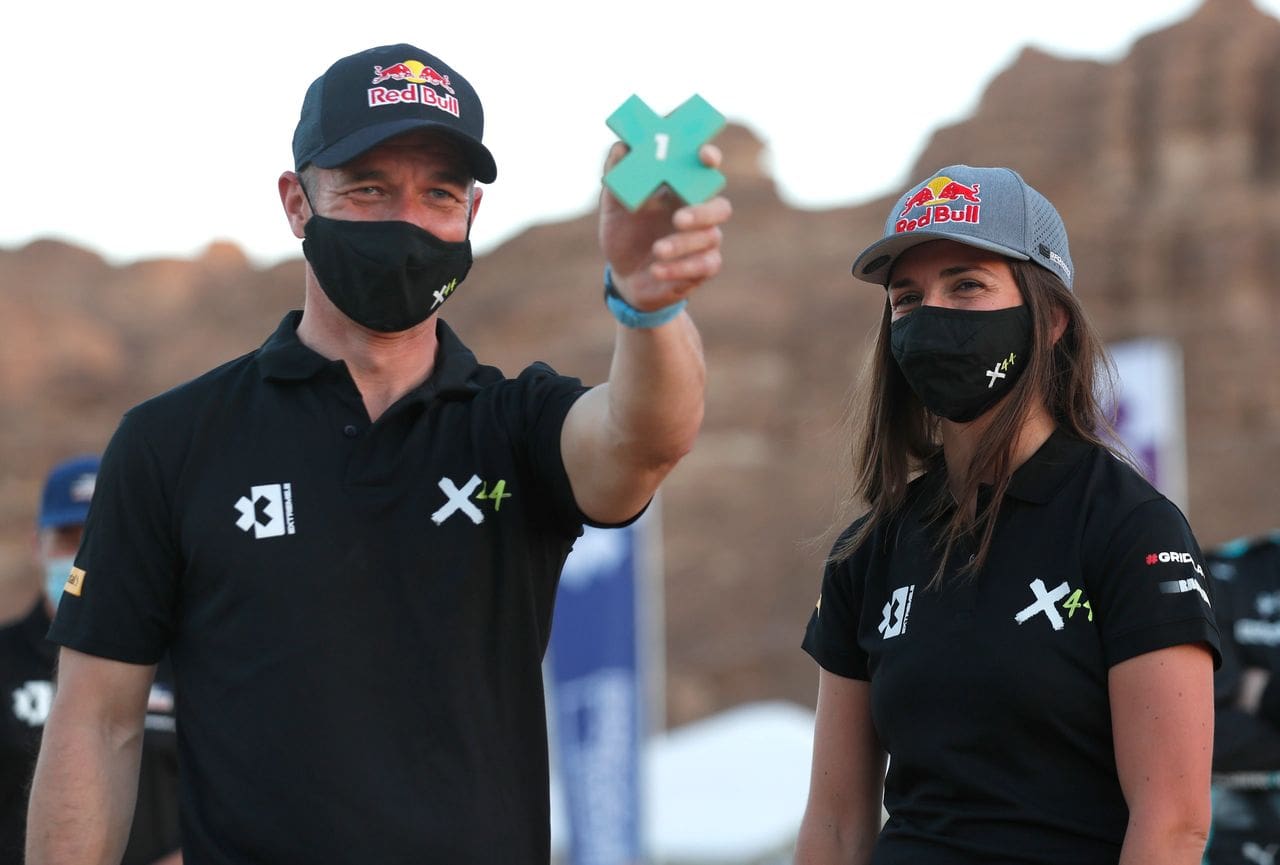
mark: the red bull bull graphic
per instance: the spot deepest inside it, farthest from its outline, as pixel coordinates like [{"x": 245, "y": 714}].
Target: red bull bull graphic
[
  {"x": 936, "y": 198},
  {"x": 413, "y": 72},
  {"x": 398, "y": 72},
  {"x": 419, "y": 80}
]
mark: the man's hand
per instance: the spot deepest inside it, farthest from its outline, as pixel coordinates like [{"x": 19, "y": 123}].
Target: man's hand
[{"x": 663, "y": 251}]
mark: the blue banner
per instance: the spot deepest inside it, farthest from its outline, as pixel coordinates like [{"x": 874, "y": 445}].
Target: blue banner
[{"x": 597, "y": 691}]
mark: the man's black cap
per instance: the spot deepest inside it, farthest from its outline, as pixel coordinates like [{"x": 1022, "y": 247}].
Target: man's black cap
[{"x": 364, "y": 99}]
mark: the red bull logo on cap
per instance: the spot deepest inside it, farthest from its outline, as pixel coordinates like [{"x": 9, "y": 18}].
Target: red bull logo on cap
[
  {"x": 420, "y": 80},
  {"x": 412, "y": 71},
  {"x": 936, "y": 198}
]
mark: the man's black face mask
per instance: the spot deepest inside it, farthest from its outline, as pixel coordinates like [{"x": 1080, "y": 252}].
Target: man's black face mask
[{"x": 387, "y": 276}]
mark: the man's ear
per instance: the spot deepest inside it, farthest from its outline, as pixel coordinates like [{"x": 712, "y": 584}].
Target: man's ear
[{"x": 296, "y": 207}]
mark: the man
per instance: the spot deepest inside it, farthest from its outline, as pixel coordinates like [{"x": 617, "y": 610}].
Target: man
[
  {"x": 26, "y": 688},
  {"x": 349, "y": 540},
  {"x": 1246, "y": 736}
]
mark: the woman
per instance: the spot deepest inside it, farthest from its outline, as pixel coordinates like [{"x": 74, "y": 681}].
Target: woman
[{"x": 1020, "y": 622}]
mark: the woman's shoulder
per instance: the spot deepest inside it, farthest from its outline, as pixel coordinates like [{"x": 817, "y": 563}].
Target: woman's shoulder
[
  {"x": 1101, "y": 476},
  {"x": 1118, "y": 507},
  {"x": 1116, "y": 484},
  {"x": 919, "y": 493},
  {"x": 844, "y": 546}
]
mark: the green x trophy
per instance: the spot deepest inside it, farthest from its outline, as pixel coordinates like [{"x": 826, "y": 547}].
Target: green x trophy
[{"x": 664, "y": 150}]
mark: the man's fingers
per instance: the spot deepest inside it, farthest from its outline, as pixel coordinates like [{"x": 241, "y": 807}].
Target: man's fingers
[
  {"x": 715, "y": 211},
  {"x": 675, "y": 246},
  {"x": 616, "y": 152},
  {"x": 689, "y": 271}
]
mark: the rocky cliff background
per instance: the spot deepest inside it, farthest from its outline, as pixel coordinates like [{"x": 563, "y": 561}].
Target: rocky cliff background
[{"x": 1165, "y": 166}]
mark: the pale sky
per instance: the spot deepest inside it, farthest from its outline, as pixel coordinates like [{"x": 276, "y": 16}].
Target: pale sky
[{"x": 146, "y": 129}]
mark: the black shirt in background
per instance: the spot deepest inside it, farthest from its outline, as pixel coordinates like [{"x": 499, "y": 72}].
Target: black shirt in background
[{"x": 26, "y": 689}]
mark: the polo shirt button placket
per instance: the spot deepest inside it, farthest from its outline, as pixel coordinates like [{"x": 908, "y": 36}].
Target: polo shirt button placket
[{"x": 350, "y": 431}]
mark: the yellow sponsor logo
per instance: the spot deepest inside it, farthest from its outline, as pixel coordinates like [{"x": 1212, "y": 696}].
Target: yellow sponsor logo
[{"x": 75, "y": 582}]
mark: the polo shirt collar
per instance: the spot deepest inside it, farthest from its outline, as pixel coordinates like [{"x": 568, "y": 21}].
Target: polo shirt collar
[
  {"x": 456, "y": 373},
  {"x": 1041, "y": 476},
  {"x": 283, "y": 357}
]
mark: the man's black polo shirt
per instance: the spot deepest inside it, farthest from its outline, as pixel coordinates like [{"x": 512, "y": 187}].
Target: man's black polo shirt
[
  {"x": 990, "y": 694},
  {"x": 356, "y": 611}
]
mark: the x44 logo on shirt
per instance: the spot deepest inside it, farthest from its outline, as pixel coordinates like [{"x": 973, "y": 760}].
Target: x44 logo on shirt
[
  {"x": 1046, "y": 602},
  {"x": 459, "y": 499}
]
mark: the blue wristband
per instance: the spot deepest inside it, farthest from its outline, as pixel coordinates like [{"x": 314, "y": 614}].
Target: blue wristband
[{"x": 628, "y": 315}]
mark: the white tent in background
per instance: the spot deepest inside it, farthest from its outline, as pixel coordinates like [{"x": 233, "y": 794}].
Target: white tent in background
[{"x": 727, "y": 790}]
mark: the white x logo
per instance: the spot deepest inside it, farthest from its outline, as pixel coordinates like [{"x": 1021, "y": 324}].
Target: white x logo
[
  {"x": 443, "y": 292},
  {"x": 994, "y": 374},
  {"x": 459, "y": 500},
  {"x": 1044, "y": 603}
]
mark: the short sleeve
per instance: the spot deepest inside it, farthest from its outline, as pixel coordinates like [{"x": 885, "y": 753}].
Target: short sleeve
[
  {"x": 535, "y": 407},
  {"x": 831, "y": 638},
  {"x": 125, "y": 607},
  {"x": 1150, "y": 589}
]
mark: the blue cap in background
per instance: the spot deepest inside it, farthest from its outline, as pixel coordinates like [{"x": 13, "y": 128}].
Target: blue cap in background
[{"x": 67, "y": 492}]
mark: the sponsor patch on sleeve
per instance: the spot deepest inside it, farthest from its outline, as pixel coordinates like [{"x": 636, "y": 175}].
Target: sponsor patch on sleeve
[
  {"x": 75, "y": 582},
  {"x": 1188, "y": 584}
]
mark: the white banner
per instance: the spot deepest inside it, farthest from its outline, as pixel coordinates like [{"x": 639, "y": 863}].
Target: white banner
[{"x": 1149, "y": 414}]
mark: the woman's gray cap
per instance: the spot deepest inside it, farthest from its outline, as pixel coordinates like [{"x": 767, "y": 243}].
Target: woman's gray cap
[{"x": 990, "y": 208}]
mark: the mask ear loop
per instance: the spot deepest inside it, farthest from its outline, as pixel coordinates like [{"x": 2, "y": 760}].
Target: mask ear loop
[{"x": 307, "y": 196}]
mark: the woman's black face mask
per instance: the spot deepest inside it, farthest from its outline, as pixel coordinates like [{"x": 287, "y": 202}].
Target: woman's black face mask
[{"x": 960, "y": 362}]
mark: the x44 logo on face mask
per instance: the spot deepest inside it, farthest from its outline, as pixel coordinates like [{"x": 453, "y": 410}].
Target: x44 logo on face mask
[{"x": 463, "y": 499}]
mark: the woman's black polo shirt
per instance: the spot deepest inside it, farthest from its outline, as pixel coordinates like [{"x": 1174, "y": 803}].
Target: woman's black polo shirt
[
  {"x": 356, "y": 611},
  {"x": 990, "y": 694}
]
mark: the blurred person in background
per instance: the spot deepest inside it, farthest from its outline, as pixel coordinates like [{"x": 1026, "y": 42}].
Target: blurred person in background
[
  {"x": 26, "y": 688},
  {"x": 1020, "y": 624},
  {"x": 349, "y": 540},
  {"x": 1246, "y": 739}
]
